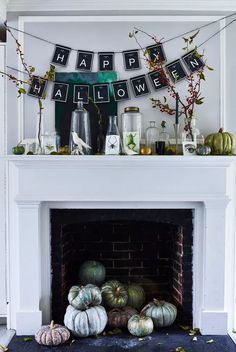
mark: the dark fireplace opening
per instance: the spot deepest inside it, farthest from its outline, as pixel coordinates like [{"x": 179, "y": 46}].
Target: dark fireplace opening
[{"x": 151, "y": 247}]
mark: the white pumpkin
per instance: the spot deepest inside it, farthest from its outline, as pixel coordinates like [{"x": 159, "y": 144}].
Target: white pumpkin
[
  {"x": 85, "y": 323},
  {"x": 162, "y": 313}
]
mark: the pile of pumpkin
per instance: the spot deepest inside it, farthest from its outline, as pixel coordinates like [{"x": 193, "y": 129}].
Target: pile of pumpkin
[{"x": 86, "y": 315}]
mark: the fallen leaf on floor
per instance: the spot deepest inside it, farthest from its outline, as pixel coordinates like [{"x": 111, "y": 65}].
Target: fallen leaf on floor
[
  {"x": 4, "y": 348},
  {"x": 141, "y": 339},
  {"x": 72, "y": 342},
  {"x": 185, "y": 327},
  {"x": 210, "y": 341},
  {"x": 179, "y": 349},
  {"x": 27, "y": 339},
  {"x": 194, "y": 338},
  {"x": 115, "y": 331},
  {"x": 193, "y": 332}
]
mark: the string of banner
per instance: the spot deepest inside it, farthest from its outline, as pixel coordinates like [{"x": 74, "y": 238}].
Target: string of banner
[{"x": 176, "y": 70}]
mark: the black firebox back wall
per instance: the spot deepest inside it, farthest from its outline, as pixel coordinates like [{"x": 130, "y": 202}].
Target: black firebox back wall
[{"x": 152, "y": 247}]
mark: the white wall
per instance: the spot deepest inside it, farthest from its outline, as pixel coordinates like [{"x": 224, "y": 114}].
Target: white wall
[
  {"x": 3, "y": 308},
  {"x": 111, "y": 33}
]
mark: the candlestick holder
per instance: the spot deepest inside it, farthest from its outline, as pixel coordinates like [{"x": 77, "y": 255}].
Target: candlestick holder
[{"x": 176, "y": 129}]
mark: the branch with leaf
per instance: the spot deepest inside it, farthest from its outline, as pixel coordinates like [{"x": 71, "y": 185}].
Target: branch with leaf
[
  {"x": 194, "y": 96},
  {"x": 28, "y": 71}
]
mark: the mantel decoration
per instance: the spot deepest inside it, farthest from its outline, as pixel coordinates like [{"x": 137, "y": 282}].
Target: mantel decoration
[{"x": 161, "y": 75}]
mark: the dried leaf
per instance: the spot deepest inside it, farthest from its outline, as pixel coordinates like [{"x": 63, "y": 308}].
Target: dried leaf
[
  {"x": 185, "y": 327},
  {"x": 72, "y": 341},
  {"x": 115, "y": 331},
  {"x": 193, "y": 332},
  {"x": 141, "y": 339},
  {"x": 180, "y": 349},
  {"x": 27, "y": 339},
  {"x": 194, "y": 338},
  {"x": 210, "y": 341},
  {"x": 4, "y": 348}
]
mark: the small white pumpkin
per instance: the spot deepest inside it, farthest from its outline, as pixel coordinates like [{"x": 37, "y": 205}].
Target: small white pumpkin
[
  {"x": 162, "y": 313},
  {"x": 52, "y": 335}
]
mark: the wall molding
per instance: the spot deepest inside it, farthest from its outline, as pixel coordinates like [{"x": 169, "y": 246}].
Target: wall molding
[{"x": 123, "y": 6}]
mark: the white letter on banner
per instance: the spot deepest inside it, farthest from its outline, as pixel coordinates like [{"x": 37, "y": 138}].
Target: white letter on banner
[
  {"x": 99, "y": 96},
  {"x": 58, "y": 93},
  {"x": 175, "y": 74},
  {"x": 38, "y": 89},
  {"x": 121, "y": 93},
  {"x": 140, "y": 88},
  {"x": 83, "y": 62},
  {"x": 60, "y": 57},
  {"x": 131, "y": 61},
  {"x": 194, "y": 63},
  {"x": 105, "y": 63},
  {"x": 156, "y": 82}
]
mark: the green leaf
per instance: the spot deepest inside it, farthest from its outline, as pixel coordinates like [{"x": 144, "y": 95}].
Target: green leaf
[
  {"x": 165, "y": 100},
  {"x": 202, "y": 76},
  {"x": 185, "y": 39},
  {"x": 21, "y": 91},
  {"x": 209, "y": 68},
  {"x": 27, "y": 339},
  {"x": 194, "y": 35},
  {"x": 198, "y": 101}
]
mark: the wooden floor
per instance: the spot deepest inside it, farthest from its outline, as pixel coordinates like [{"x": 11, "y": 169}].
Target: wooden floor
[{"x": 5, "y": 335}]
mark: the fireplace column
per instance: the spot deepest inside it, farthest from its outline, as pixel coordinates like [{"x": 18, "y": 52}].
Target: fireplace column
[
  {"x": 28, "y": 315},
  {"x": 213, "y": 314}
]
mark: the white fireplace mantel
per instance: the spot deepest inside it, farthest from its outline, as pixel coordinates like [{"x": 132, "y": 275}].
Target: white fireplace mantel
[{"x": 35, "y": 184}]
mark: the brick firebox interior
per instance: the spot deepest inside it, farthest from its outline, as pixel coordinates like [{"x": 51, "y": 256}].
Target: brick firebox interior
[{"x": 152, "y": 247}]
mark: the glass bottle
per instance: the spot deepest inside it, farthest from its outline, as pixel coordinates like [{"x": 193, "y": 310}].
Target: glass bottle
[
  {"x": 80, "y": 136},
  {"x": 152, "y": 136},
  {"x": 163, "y": 140},
  {"x": 112, "y": 142},
  {"x": 131, "y": 130},
  {"x": 191, "y": 133}
]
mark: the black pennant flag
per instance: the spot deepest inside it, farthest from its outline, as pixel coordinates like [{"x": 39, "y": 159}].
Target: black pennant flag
[
  {"x": 158, "y": 79},
  {"x": 156, "y": 53},
  {"x": 101, "y": 93},
  {"x": 131, "y": 59},
  {"x": 84, "y": 60},
  {"x": 193, "y": 61},
  {"x": 81, "y": 93},
  {"x": 176, "y": 70},
  {"x": 60, "y": 92},
  {"x": 38, "y": 87},
  {"x": 106, "y": 61},
  {"x": 139, "y": 85},
  {"x": 120, "y": 90},
  {"x": 61, "y": 55}
]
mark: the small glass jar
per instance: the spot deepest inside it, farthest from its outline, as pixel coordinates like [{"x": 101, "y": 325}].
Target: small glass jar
[
  {"x": 131, "y": 130},
  {"x": 152, "y": 136},
  {"x": 80, "y": 135},
  {"x": 112, "y": 143}
]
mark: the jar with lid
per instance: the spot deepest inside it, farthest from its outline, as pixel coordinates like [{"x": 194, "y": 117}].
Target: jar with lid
[
  {"x": 80, "y": 136},
  {"x": 152, "y": 136},
  {"x": 131, "y": 130},
  {"x": 112, "y": 142}
]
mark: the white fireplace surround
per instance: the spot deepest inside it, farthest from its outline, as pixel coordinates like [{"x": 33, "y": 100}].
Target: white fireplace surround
[{"x": 38, "y": 183}]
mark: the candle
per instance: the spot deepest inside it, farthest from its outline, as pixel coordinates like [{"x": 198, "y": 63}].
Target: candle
[{"x": 177, "y": 109}]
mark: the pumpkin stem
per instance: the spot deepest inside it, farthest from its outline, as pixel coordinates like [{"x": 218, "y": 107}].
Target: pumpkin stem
[
  {"x": 117, "y": 291},
  {"x": 221, "y": 130},
  {"x": 144, "y": 308},
  {"x": 157, "y": 302},
  {"x": 52, "y": 325}
]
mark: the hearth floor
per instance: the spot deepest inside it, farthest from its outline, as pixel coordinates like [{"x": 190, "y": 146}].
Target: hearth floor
[{"x": 161, "y": 341}]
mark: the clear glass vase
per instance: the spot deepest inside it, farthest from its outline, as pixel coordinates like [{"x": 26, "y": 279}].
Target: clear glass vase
[
  {"x": 152, "y": 136},
  {"x": 112, "y": 143},
  {"x": 47, "y": 140}
]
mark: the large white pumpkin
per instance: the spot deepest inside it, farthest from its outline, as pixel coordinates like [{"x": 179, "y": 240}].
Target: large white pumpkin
[{"x": 85, "y": 323}]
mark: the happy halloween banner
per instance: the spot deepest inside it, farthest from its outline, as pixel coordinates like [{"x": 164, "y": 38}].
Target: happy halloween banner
[{"x": 140, "y": 85}]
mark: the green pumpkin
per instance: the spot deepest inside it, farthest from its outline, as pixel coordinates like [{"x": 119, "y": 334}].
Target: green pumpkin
[
  {"x": 162, "y": 313},
  {"x": 92, "y": 272},
  {"x": 83, "y": 297},
  {"x": 221, "y": 143},
  {"x": 140, "y": 325},
  {"x": 85, "y": 323},
  {"x": 203, "y": 150},
  {"x": 114, "y": 294},
  {"x": 136, "y": 296}
]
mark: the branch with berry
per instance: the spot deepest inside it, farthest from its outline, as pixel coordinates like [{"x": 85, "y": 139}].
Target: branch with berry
[{"x": 194, "y": 96}]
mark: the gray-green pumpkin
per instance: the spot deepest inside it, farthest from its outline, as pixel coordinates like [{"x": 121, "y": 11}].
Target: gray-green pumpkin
[
  {"x": 92, "y": 272},
  {"x": 221, "y": 143},
  {"x": 83, "y": 297},
  {"x": 162, "y": 313},
  {"x": 136, "y": 296},
  {"x": 85, "y": 323},
  {"x": 139, "y": 325},
  {"x": 203, "y": 150},
  {"x": 114, "y": 294}
]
